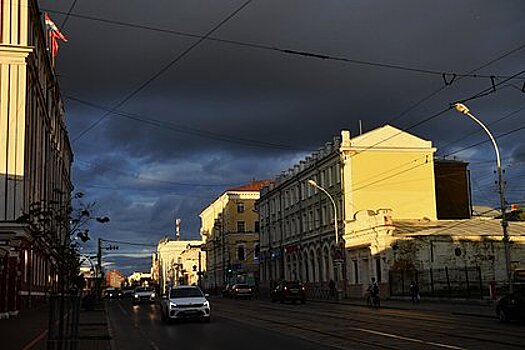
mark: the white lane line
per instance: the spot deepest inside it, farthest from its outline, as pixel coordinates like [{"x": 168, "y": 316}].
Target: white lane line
[{"x": 407, "y": 338}]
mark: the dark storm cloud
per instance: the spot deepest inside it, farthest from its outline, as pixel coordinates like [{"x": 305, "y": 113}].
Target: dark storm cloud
[{"x": 226, "y": 114}]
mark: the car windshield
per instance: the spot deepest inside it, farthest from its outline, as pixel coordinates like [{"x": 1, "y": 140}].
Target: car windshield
[
  {"x": 143, "y": 290},
  {"x": 185, "y": 293},
  {"x": 243, "y": 286}
]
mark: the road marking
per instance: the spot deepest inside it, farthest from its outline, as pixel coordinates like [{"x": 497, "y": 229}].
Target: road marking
[
  {"x": 414, "y": 340},
  {"x": 35, "y": 341}
]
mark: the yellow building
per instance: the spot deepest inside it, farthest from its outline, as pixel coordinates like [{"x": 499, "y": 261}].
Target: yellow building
[
  {"x": 230, "y": 229},
  {"x": 383, "y": 170},
  {"x": 35, "y": 154},
  {"x": 179, "y": 263}
]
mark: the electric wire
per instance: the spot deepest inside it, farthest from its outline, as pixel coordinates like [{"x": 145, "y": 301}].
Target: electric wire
[
  {"x": 160, "y": 72},
  {"x": 322, "y": 56}
]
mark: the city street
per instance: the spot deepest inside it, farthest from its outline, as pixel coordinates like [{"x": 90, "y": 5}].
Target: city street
[{"x": 242, "y": 324}]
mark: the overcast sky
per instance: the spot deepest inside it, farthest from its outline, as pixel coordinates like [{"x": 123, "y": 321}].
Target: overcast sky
[{"x": 195, "y": 117}]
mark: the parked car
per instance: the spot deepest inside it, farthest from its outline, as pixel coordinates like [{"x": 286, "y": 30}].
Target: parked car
[
  {"x": 143, "y": 294},
  {"x": 511, "y": 306},
  {"x": 185, "y": 302},
  {"x": 241, "y": 291},
  {"x": 289, "y": 291}
]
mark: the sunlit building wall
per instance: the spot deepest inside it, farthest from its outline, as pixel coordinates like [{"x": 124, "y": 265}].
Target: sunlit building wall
[
  {"x": 35, "y": 154},
  {"x": 230, "y": 229}
]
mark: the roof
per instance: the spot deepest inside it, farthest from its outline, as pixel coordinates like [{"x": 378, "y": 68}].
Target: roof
[
  {"x": 254, "y": 186},
  {"x": 468, "y": 227}
]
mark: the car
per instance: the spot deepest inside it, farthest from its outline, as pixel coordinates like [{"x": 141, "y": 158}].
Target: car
[
  {"x": 241, "y": 291},
  {"x": 143, "y": 294},
  {"x": 112, "y": 293},
  {"x": 511, "y": 306},
  {"x": 288, "y": 291},
  {"x": 185, "y": 302},
  {"x": 127, "y": 293}
]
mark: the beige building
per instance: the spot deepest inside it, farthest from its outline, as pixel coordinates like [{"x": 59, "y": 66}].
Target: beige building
[
  {"x": 114, "y": 278},
  {"x": 179, "y": 263},
  {"x": 378, "y": 180},
  {"x": 230, "y": 230},
  {"x": 35, "y": 156}
]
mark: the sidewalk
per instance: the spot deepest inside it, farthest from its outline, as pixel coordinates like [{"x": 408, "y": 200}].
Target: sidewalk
[
  {"x": 28, "y": 331},
  {"x": 94, "y": 329},
  {"x": 476, "y": 308}
]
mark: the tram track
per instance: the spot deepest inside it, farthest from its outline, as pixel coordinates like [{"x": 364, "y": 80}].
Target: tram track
[{"x": 424, "y": 330}]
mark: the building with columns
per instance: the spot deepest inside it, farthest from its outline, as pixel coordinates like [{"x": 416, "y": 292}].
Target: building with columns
[{"x": 35, "y": 153}]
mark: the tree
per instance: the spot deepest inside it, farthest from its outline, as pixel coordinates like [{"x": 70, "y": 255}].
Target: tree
[{"x": 58, "y": 226}]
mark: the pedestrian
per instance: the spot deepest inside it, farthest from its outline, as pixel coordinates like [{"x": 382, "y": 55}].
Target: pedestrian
[
  {"x": 373, "y": 294},
  {"x": 414, "y": 292},
  {"x": 331, "y": 286}
]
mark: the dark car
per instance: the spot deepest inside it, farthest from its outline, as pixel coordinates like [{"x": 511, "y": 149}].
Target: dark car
[
  {"x": 289, "y": 291},
  {"x": 512, "y": 306},
  {"x": 112, "y": 293},
  {"x": 241, "y": 291}
]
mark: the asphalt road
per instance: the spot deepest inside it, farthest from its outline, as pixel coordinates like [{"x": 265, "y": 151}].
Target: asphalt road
[{"x": 255, "y": 324}]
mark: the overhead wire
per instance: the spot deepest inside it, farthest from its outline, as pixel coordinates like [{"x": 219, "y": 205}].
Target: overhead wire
[
  {"x": 185, "y": 129},
  {"x": 304, "y": 53},
  {"x": 160, "y": 72}
]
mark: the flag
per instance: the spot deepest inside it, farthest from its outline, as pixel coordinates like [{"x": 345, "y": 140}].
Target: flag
[{"x": 54, "y": 34}]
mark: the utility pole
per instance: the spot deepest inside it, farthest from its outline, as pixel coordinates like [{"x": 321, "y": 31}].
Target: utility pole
[{"x": 98, "y": 271}]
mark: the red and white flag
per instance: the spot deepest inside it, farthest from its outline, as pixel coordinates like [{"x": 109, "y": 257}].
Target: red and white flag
[{"x": 54, "y": 34}]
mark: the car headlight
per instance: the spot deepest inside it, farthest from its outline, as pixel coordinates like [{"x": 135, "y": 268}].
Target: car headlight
[
  {"x": 173, "y": 305},
  {"x": 136, "y": 296},
  {"x": 206, "y": 303},
  {"x": 153, "y": 295}
]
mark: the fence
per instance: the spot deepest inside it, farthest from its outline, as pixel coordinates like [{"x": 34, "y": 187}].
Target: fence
[
  {"x": 445, "y": 282},
  {"x": 64, "y": 312}
]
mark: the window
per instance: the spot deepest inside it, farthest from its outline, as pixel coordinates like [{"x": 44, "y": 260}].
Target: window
[
  {"x": 378, "y": 270},
  {"x": 241, "y": 253},
  {"x": 256, "y": 226},
  {"x": 240, "y": 207},
  {"x": 241, "y": 226},
  {"x": 356, "y": 272},
  {"x": 256, "y": 252}
]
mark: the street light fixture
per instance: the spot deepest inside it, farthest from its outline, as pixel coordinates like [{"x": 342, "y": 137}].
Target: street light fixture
[
  {"x": 465, "y": 110},
  {"x": 336, "y": 226}
]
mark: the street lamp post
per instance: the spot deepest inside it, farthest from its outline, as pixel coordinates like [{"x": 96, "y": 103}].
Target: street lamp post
[
  {"x": 336, "y": 226},
  {"x": 501, "y": 189}
]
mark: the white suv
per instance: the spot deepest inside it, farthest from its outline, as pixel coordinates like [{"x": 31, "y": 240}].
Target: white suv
[{"x": 184, "y": 302}]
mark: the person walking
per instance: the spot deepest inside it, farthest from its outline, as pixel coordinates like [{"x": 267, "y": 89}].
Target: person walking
[
  {"x": 414, "y": 292},
  {"x": 373, "y": 294}
]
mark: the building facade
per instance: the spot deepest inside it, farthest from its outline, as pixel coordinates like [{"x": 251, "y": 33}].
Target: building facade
[
  {"x": 230, "y": 230},
  {"x": 179, "y": 263},
  {"x": 35, "y": 154},
  {"x": 114, "y": 279},
  {"x": 375, "y": 179}
]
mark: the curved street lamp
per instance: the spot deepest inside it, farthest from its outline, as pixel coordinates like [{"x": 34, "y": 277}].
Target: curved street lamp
[
  {"x": 338, "y": 261},
  {"x": 314, "y": 184},
  {"x": 465, "y": 110}
]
